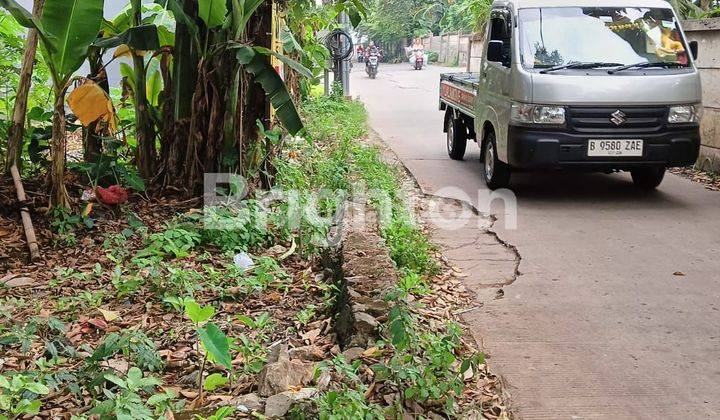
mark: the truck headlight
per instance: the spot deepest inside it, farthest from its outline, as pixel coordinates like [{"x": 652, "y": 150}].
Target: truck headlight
[
  {"x": 537, "y": 114},
  {"x": 685, "y": 114}
]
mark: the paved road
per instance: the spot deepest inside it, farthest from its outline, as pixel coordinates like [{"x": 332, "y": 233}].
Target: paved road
[{"x": 597, "y": 325}]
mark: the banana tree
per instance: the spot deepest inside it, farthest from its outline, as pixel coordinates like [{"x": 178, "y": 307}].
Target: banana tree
[
  {"x": 216, "y": 102},
  {"x": 67, "y": 28}
]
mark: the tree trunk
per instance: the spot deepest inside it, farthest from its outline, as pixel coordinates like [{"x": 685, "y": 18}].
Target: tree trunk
[
  {"x": 17, "y": 128},
  {"x": 58, "y": 193},
  {"x": 168, "y": 119},
  {"x": 252, "y": 97},
  {"x": 705, "y": 4},
  {"x": 184, "y": 77},
  {"x": 145, "y": 130},
  {"x": 92, "y": 143}
]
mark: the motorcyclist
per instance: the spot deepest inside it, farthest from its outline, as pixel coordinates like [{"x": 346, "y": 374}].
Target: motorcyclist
[
  {"x": 371, "y": 65},
  {"x": 372, "y": 49},
  {"x": 417, "y": 48}
]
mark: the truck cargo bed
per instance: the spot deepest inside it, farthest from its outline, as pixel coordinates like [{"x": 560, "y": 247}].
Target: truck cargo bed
[
  {"x": 458, "y": 91},
  {"x": 468, "y": 80}
]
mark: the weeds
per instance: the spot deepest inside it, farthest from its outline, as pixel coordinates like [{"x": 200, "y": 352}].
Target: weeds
[
  {"x": 125, "y": 401},
  {"x": 176, "y": 242},
  {"x": 20, "y": 396}
]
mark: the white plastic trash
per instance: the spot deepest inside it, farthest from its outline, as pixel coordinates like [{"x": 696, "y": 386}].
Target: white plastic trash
[{"x": 244, "y": 262}]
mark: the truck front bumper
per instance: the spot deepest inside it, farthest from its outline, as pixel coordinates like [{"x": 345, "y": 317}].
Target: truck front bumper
[{"x": 536, "y": 148}]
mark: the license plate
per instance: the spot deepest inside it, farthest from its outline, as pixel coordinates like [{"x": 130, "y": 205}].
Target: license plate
[
  {"x": 615, "y": 148},
  {"x": 373, "y": 60}
]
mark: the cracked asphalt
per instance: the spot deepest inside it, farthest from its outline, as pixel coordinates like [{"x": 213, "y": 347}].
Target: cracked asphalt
[{"x": 610, "y": 302}]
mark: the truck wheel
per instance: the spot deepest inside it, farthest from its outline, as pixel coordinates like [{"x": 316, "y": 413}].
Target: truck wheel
[
  {"x": 456, "y": 139},
  {"x": 648, "y": 178},
  {"x": 496, "y": 173}
]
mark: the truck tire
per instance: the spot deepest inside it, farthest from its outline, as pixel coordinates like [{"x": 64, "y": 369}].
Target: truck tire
[
  {"x": 495, "y": 172},
  {"x": 648, "y": 178},
  {"x": 456, "y": 138}
]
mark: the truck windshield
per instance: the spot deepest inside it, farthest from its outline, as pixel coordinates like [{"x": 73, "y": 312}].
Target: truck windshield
[{"x": 557, "y": 36}]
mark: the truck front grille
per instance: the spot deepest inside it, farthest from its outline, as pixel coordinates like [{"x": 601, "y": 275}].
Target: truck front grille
[{"x": 611, "y": 120}]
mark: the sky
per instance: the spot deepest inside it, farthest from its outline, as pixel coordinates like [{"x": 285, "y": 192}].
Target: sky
[{"x": 112, "y": 8}]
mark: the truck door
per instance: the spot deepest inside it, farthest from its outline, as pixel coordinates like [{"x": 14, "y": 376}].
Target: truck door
[{"x": 494, "y": 91}]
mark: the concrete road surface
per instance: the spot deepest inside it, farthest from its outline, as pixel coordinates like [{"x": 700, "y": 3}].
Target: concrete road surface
[{"x": 599, "y": 323}]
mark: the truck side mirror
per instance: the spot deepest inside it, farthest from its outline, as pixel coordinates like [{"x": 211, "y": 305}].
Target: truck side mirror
[
  {"x": 694, "y": 49},
  {"x": 495, "y": 51}
]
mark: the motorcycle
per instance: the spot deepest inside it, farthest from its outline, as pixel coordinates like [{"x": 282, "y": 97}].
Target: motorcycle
[
  {"x": 371, "y": 65},
  {"x": 418, "y": 58}
]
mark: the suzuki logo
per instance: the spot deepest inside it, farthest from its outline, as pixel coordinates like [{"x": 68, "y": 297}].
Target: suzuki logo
[{"x": 618, "y": 117}]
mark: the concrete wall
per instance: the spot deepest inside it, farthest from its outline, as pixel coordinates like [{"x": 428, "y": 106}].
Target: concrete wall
[
  {"x": 451, "y": 48},
  {"x": 463, "y": 51},
  {"x": 707, "y": 33},
  {"x": 477, "y": 45}
]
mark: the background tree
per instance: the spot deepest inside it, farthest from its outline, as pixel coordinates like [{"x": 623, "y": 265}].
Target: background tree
[
  {"x": 17, "y": 126},
  {"x": 66, "y": 32}
]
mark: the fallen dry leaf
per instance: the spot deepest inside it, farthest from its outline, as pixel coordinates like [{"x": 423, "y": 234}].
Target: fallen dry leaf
[
  {"x": 109, "y": 316},
  {"x": 311, "y": 335}
]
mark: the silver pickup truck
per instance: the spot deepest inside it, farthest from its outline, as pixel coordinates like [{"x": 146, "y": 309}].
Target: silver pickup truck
[{"x": 593, "y": 85}]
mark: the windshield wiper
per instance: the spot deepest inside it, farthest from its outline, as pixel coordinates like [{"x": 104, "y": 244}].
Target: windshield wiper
[
  {"x": 580, "y": 65},
  {"x": 646, "y": 64}
]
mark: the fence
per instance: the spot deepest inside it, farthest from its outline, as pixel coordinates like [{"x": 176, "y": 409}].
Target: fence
[
  {"x": 707, "y": 33},
  {"x": 452, "y": 49}
]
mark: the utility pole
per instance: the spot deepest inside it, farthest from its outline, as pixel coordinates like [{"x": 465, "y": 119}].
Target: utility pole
[{"x": 345, "y": 64}]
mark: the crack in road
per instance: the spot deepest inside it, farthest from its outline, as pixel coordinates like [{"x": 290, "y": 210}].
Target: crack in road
[{"x": 469, "y": 206}]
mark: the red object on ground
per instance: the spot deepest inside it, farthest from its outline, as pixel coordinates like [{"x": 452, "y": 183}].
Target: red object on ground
[{"x": 112, "y": 196}]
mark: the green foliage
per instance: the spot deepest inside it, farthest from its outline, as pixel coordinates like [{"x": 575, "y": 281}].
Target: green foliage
[
  {"x": 212, "y": 12},
  {"x": 215, "y": 381},
  {"x": 410, "y": 248},
  {"x": 390, "y": 23},
  {"x": 198, "y": 314},
  {"x": 466, "y": 16},
  {"x": 261, "y": 324},
  {"x": 134, "y": 345},
  {"x": 11, "y": 53},
  {"x": 256, "y": 62},
  {"x": 66, "y": 31},
  {"x": 65, "y": 224},
  {"x": 220, "y": 414},
  {"x": 306, "y": 315},
  {"x": 176, "y": 242},
  {"x": 127, "y": 401},
  {"x": 235, "y": 228},
  {"x": 19, "y": 395},
  {"x": 214, "y": 341},
  {"x": 424, "y": 364},
  {"x": 216, "y": 344},
  {"x": 254, "y": 354},
  {"x": 112, "y": 167},
  {"x": 347, "y": 403},
  {"x": 413, "y": 283}
]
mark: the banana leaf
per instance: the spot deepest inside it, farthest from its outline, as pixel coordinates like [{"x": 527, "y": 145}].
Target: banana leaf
[
  {"x": 70, "y": 27},
  {"x": 143, "y": 38},
  {"x": 258, "y": 64},
  {"x": 179, "y": 14},
  {"x": 67, "y": 29},
  {"x": 212, "y": 12}
]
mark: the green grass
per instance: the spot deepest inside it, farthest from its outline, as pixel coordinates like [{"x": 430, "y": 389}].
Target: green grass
[{"x": 424, "y": 363}]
